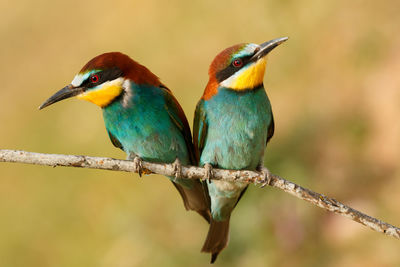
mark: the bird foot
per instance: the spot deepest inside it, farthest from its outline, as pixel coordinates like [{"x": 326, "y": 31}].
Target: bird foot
[
  {"x": 177, "y": 168},
  {"x": 138, "y": 165},
  {"x": 267, "y": 177},
  {"x": 209, "y": 173}
]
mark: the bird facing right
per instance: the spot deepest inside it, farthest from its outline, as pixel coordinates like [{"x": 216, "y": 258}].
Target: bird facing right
[{"x": 233, "y": 123}]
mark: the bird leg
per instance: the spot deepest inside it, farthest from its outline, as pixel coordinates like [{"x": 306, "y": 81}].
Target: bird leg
[
  {"x": 209, "y": 173},
  {"x": 267, "y": 176},
  {"x": 177, "y": 168},
  {"x": 138, "y": 165}
]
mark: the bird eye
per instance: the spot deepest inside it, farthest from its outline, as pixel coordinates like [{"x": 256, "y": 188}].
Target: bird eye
[
  {"x": 237, "y": 63},
  {"x": 94, "y": 78}
]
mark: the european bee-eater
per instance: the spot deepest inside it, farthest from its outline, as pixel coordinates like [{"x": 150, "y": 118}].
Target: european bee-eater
[
  {"x": 233, "y": 123},
  {"x": 142, "y": 117}
]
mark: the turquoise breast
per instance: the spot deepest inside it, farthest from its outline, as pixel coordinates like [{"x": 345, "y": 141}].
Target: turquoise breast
[
  {"x": 237, "y": 128},
  {"x": 143, "y": 126}
]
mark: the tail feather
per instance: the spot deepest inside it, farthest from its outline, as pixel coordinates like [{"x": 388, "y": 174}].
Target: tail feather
[
  {"x": 196, "y": 198},
  {"x": 217, "y": 238}
]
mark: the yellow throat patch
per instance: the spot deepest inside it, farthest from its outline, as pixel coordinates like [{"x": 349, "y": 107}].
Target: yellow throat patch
[
  {"x": 104, "y": 94},
  {"x": 248, "y": 78}
]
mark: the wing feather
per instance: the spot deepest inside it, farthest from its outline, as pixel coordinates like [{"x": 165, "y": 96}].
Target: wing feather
[{"x": 200, "y": 128}]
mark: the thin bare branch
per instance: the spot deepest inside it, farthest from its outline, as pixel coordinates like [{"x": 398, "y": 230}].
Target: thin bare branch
[{"x": 193, "y": 172}]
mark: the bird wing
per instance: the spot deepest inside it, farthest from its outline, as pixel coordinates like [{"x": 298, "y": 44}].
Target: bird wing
[
  {"x": 114, "y": 140},
  {"x": 195, "y": 198},
  {"x": 178, "y": 117},
  {"x": 271, "y": 128},
  {"x": 200, "y": 128}
]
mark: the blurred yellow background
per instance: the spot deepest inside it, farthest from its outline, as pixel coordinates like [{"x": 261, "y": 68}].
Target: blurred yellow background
[{"x": 335, "y": 91}]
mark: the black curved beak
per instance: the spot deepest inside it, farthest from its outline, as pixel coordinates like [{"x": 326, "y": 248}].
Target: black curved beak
[
  {"x": 67, "y": 92},
  {"x": 267, "y": 47}
]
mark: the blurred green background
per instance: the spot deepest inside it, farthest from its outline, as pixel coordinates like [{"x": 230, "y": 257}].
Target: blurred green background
[{"x": 335, "y": 91}]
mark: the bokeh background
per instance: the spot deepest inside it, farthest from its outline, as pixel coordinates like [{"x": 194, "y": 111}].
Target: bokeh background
[{"x": 335, "y": 91}]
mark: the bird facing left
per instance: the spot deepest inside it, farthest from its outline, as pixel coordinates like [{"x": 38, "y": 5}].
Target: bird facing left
[{"x": 142, "y": 117}]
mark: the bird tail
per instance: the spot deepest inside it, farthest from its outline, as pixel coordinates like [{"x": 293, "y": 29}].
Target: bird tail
[
  {"x": 196, "y": 198},
  {"x": 217, "y": 238}
]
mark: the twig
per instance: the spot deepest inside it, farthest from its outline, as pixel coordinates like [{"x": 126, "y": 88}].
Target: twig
[{"x": 193, "y": 172}]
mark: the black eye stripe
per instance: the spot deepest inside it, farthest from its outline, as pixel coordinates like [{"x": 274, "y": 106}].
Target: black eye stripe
[
  {"x": 230, "y": 69},
  {"x": 104, "y": 76}
]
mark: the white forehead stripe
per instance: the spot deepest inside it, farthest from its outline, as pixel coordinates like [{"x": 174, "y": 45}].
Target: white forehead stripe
[
  {"x": 81, "y": 77},
  {"x": 247, "y": 50}
]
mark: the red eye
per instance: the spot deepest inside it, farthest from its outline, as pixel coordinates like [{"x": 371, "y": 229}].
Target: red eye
[
  {"x": 94, "y": 78},
  {"x": 237, "y": 63}
]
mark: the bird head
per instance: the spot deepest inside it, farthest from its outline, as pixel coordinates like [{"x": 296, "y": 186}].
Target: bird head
[
  {"x": 239, "y": 67},
  {"x": 103, "y": 79}
]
